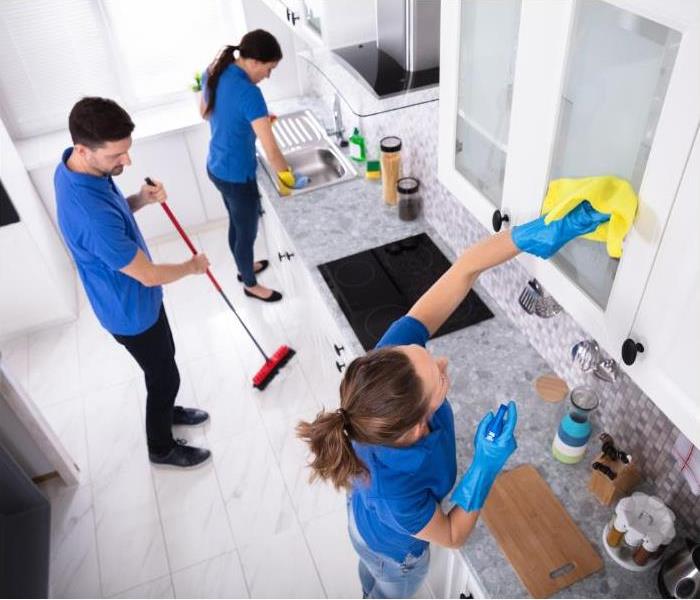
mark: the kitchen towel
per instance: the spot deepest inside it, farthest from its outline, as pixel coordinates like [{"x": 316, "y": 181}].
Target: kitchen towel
[
  {"x": 688, "y": 460},
  {"x": 607, "y": 194}
]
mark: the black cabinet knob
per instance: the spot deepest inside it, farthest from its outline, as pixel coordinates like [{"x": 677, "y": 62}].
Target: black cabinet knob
[
  {"x": 629, "y": 351},
  {"x": 340, "y": 366},
  {"x": 498, "y": 219},
  {"x": 338, "y": 349}
]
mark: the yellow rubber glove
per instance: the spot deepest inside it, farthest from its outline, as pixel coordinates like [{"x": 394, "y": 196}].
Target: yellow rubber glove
[{"x": 286, "y": 178}]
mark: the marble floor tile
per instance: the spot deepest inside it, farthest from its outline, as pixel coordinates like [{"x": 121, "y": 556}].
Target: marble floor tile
[
  {"x": 280, "y": 566},
  {"x": 256, "y": 498},
  {"x": 103, "y": 362},
  {"x": 310, "y": 500},
  {"x": 192, "y": 511},
  {"x": 53, "y": 373},
  {"x": 218, "y": 577},
  {"x": 14, "y": 354},
  {"x": 159, "y": 588},
  {"x": 221, "y": 387},
  {"x": 334, "y": 555},
  {"x": 73, "y": 571},
  {"x": 67, "y": 420},
  {"x": 129, "y": 533},
  {"x": 116, "y": 436}
]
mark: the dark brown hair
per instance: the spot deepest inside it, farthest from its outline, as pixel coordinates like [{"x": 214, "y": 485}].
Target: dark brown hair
[
  {"x": 94, "y": 121},
  {"x": 257, "y": 44},
  {"x": 381, "y": 399}
]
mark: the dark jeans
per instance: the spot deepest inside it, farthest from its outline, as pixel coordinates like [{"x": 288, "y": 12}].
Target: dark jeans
[
  {"x": 242, "y": 202},
  {"x": 154, "y": 350}
]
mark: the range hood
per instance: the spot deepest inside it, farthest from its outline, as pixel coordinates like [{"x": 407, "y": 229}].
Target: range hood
[{"x": 406, "y": 54}]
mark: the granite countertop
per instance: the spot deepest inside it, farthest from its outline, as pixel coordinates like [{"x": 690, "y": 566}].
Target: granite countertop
[{"x": 490, "y": 363}]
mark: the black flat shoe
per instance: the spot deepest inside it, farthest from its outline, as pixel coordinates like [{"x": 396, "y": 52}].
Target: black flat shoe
[
  {"x": 189, "y": 416},
  {"x": 181, "y": 456},
  {"x": 274, "y": 297},
  {"x": 264, "y": 263}
]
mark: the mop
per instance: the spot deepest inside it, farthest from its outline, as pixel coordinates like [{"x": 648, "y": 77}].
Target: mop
[{"x": 273, "y": 363}]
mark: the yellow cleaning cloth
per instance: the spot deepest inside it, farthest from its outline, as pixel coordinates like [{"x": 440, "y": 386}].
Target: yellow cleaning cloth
[{"x": 607, "y": 194}]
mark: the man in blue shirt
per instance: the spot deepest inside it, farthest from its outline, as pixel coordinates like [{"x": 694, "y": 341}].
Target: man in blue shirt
[{"x": 122, "y": 284}]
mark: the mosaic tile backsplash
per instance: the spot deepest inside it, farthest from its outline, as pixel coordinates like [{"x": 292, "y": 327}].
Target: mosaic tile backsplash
[{"x": 629, "y": 415}]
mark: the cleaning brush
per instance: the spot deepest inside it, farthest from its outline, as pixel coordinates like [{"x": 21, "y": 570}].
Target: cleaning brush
[{"x": 272, "y": 363}]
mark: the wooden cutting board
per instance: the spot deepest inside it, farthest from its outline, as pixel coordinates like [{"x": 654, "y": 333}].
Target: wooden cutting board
[{"x": 539, "y": 538}]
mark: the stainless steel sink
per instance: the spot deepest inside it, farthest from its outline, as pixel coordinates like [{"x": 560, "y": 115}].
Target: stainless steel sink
[{"x": 309, "y": 151}]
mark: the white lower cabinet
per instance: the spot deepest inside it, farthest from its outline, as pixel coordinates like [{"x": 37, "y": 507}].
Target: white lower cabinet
[
  {"x": 308, "y": 323},
  {"x": 450, "y": 576}
]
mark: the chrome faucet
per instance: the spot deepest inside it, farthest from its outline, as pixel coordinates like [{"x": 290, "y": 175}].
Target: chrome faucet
[{"x": 338, "y": 128}]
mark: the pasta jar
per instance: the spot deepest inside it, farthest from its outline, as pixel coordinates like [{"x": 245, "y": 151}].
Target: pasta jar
[{"x": 391, "y": 167}]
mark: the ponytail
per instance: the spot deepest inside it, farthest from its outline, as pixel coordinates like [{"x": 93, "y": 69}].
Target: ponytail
[
  {"x": 257, "y": 44},
  {"x": 334, "y": 457},
  {"x": 381, "y": 399}
]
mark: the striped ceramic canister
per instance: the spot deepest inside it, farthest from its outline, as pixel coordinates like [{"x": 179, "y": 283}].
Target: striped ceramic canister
[{"x": 574, "y": 430}]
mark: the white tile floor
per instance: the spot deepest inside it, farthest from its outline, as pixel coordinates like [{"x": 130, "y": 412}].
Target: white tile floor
[{"x": 248, "y": 524}]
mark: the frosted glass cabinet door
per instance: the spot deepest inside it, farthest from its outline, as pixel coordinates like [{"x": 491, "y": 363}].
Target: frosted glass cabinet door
[
  {"x": 488, "y": 40},
  {"x": 618, "y": 73}
]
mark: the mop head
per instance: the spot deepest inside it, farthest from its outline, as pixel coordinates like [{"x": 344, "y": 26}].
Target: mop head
[{"x": 268, "y": 371}]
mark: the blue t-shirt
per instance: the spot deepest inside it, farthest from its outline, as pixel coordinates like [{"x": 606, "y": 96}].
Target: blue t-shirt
[
  {"x": 407, "y": 483},
  {"x": 238, "y": 103},
  {"x": 103, "y": 237}
]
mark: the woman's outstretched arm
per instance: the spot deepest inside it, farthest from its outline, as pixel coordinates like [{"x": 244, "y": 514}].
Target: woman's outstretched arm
[{"x": 437, "y": 304}]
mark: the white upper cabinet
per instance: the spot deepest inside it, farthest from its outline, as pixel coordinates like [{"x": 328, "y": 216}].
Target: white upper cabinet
[
  {"x": 328, "y": 23},
  {"x": 476, "y": 91},
  {"x": 575, "y": 88}
]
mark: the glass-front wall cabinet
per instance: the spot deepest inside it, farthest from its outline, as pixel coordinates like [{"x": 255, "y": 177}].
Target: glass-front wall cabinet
[
  {"x": 487, "y": 50},
  {"x": 616, "y": 79}
]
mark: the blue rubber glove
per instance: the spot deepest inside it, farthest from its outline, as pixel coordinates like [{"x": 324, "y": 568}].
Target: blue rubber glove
[
  {"x": 489, "y": 458},
  {"x": 543, "y": 240},
  {"x": 300, "y": 181}
]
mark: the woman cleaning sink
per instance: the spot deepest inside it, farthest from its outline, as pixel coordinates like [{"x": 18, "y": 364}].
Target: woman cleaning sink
[{"x": 235, "y": 108}]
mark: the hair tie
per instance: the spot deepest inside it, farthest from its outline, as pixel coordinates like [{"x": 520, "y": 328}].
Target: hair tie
[{"x": 346, "y": 419}]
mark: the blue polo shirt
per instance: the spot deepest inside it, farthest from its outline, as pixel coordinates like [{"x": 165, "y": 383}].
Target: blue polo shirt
[
  {"x": 407, "y": 483},
  {"x": 102, "y": 235},
  {"x": 238, "y": 103}
]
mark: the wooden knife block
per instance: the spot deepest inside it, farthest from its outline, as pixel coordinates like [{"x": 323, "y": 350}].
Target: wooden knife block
[{"x": 607, "y": 490}]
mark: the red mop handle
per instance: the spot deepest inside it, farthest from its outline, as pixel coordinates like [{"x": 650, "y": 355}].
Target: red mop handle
[
  {"x": 183, "y": 234},
  {"x": 189, "y": 243}
]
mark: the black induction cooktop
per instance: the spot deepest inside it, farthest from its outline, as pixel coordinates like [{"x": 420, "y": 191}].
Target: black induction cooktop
[{"x": 377, "y": 286}]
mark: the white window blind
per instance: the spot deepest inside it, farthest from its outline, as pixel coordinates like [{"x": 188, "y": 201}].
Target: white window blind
[
  {"x": 51, "y": 54},
  {"x": 138, "y": 52},
  {"x": 162, "y": 43}
]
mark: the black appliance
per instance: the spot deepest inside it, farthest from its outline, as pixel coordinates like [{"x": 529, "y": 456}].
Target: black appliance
[
  {"x": 377, "y": 286},
  {"x": 384, "y": 74}
]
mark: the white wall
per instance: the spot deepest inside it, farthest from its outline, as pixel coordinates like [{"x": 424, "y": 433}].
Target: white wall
[
  {"x": 37, "y": 279},
  {"x": 284, "y": 82}
]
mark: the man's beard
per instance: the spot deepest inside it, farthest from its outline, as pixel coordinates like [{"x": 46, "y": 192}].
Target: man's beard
[{"x": 116, "y": 171}]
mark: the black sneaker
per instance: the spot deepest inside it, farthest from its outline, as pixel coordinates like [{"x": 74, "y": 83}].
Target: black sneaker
[
  {"x": 189, "y": 416},
  {"x": 181, "y": 456}
]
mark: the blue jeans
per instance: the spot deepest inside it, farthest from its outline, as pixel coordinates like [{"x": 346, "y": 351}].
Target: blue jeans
[
  {"x": 382, "y": 576},
  {"x": 242, "y": 202}
]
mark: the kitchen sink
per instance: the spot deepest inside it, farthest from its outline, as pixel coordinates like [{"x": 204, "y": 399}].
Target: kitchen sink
[{"x": 309, "y": 151}]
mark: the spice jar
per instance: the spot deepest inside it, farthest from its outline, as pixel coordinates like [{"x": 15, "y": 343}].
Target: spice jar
[
  {"x": 410, "y": 200},
  {"x": 644, "y": 552},
  {"x": 617, "y": 530},
  {"x": 391, "y": 167}
]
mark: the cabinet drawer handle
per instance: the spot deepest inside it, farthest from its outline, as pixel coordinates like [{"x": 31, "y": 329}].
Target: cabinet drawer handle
[
  {"x": 292, "y": 16},
  {"x": 629, "y": 351},
  {"x": 287, "y": 255},
  {"x": 498, "y": 219},
  {"x": 338, "y": 349},
  {"x": 340, "y": 366}
]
